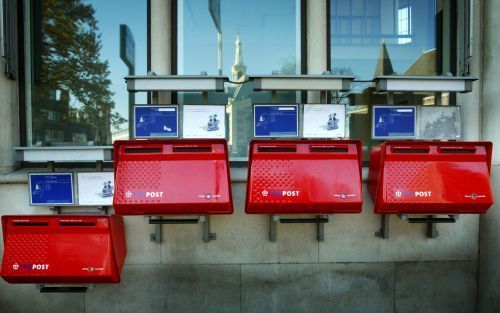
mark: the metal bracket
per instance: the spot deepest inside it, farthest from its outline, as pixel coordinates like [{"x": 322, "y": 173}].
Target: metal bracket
[
  {"x": 384, "y": 227},
  {"x": 100, "y": 210},
  {"x": 203, "y": 219},
  {"x": 320, "y": 222},
  {"x": 430, "y": 220},
  {"x": 63, "y": 288}
]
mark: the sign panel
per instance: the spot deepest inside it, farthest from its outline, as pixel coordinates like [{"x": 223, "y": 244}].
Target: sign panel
[
  {"x": 394, "y": 122},
  {"x": 96, "y": 188},
  {"x": 439, "y": 122},
  {"x": 51, "y": 189},
  {"x": 204, "y": 121},
  {"x": 324, "y": 121},
  {"x": 214, "y": 8},
  {"x": 127, "y": 47},
  {"x": 276, "y": 121},
  {"x": 159, "y": 121}
]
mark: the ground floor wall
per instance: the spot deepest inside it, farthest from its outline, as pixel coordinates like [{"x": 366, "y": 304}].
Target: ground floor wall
[{"x": 242, "y": 271}]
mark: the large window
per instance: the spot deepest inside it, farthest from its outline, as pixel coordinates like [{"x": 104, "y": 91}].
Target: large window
[
  {"x": 75, "y": 90},
  {"x": 237, "y": 38},
  {"x": 370, "y": 38}
]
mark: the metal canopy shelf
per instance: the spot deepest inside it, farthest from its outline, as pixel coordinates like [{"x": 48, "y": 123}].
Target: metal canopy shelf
[
  {"x": 175, "y": 83},
  {"x": 424, "y": 83},
  {"x": 301, "y": 82},
  {"x": 64, "y": 154}
]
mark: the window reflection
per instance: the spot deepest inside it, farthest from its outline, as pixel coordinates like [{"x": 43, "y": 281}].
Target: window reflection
[
  {"x": 77, "y": 92},
  {"x": 258, "y": 38},
  {"x": 371, "y": 38},
  {"x": 401, "y": 33}
]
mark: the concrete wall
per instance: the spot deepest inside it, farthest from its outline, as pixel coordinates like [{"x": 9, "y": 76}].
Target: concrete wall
[
  {"x": 489, "y": 270},
  {"x": 352, "y": 271}
]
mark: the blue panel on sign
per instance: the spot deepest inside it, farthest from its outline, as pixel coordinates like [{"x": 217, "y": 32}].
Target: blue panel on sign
[
  {"x": 392, "y": 122},
  {"x": 276, "y": 121},
  {"x": 51, "y": 189},
  {"x": 156, "y": 121}
]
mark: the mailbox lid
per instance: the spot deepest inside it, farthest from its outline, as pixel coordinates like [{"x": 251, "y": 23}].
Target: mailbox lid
[
  {"x": 181, "y": 176},
  {"x": 434, "y": 177},
  {"x": 304, "y": 177},
  {"x": 65, "y": 249}
]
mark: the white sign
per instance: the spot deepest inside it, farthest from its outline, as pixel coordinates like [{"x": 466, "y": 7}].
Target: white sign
[
  {"x": 96, "y": 188},
  {"x": 324, "y": 121},
  {"x": 204, "y": 121},
  {"x": 439, "y": 122}
]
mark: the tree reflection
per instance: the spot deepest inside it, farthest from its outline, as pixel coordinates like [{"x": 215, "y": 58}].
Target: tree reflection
[{"x": 72, "y": 101}]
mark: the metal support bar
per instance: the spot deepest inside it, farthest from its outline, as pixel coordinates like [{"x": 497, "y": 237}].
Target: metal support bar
[
  {"x": 323, "y": 97},
  {"x": 63, "y": 288},
  {"x": 430, "y": 220},
  {"x": 51, "y": 166},
  {"x": 205, "y": 97},
  {"x": 157, "y": 235},
  {"x": 55, "y": 209},
  {"x": 320, "y": 221},
  {"x": 99, "y": 165},
  {"x": 384, "y": 227},
  {"x": 204, "y": 220},
  {"x": 432, "y": 231},
  {"x": 274, "y": 96}
]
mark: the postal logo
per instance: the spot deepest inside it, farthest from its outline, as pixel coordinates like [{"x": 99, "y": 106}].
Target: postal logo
[
  {"x": 405, "y": 193},
  {"x": 144, "y": 194},
  {"x": 280, "y": 193},
  {"x": 30, "y": 267}
]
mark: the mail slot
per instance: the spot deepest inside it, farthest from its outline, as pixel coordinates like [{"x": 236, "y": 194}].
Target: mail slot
[
  {"x": 420, "y": 177},
  {"x": 304, "y": 177},
  {"x": 63, "y": 249},
  {"x": 180, "y": 176}
]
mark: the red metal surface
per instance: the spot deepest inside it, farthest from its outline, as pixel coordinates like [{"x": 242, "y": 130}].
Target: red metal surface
[
  {"x": 304, "y": 177},
  {"x": 420, "y": 177},
  {"x": 180, "y": 176},
  {"x": 63, "y": 249}
]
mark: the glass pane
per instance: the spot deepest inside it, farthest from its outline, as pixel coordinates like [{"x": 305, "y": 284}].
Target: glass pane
[
  {"x": 370, "y": 38},
  {"x": 376, "y": 37},
  {"x": 77, "y": 94},
  {"x": 257, "y": 38}
]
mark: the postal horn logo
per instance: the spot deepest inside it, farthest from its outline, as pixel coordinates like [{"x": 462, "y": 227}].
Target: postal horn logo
[
  {"x": 265, "y": 193},
  {"x": 15, "y": 266},
  {"x": 398, "y": 193},
  {"x": 128, "y": 194}
]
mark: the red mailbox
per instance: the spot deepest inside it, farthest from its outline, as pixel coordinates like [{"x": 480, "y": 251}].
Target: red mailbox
[
  {"x": 304, "y": 177},
  {"x": 63, "y": 249},
  {"x": 180, "y": 176},
  {"x": 431, "y": 178}
]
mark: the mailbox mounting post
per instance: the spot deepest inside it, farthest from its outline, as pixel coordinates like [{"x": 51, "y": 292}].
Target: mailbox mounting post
[
  {"x": 203, "y": 219},
  {"x": 320, "y": 221},
  {"x": 430, "y": 220}
]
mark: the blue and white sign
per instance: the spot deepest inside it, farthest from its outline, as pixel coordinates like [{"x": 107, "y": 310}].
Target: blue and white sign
[
  {"x": 394, "y": 122},
  {"x": 51, "y": 189},
  {"x": 159, "y": 121},
  {"x": 276, "y": 121}
]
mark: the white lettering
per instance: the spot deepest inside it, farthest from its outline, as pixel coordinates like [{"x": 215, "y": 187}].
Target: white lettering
[
  {"x": 423, "y": 194},
  {"x": 290, "y": 193},
  {"x": 154, "y": 194}
]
